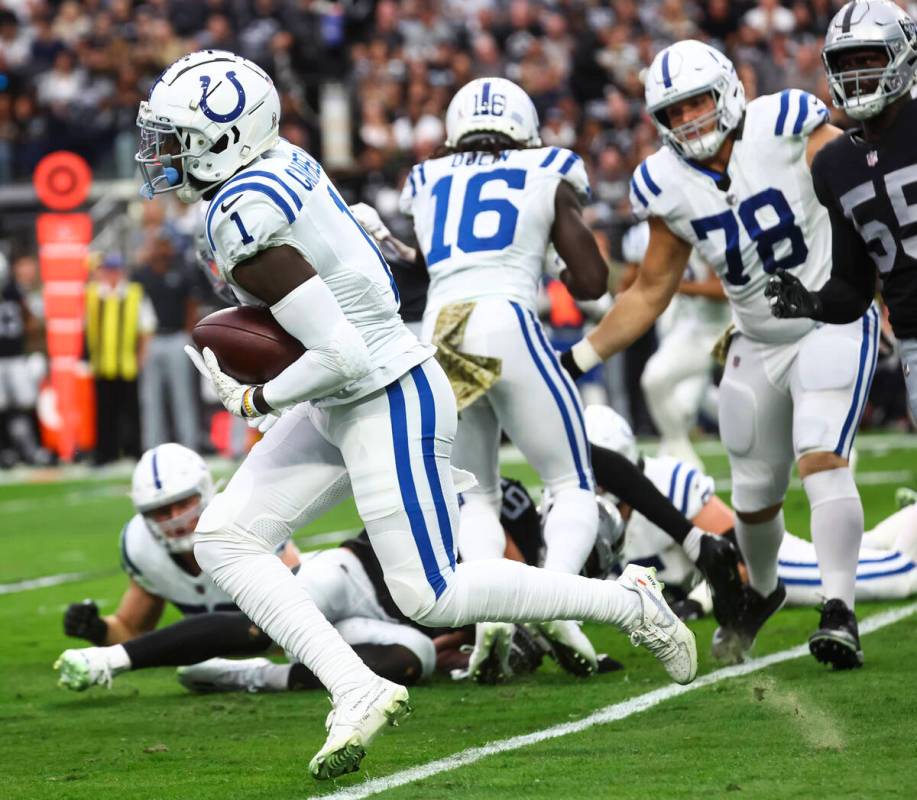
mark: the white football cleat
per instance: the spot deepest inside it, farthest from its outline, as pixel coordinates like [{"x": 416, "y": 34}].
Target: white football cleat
[
  {"x": 658, "y": 629},
  {"x": 489, "y": 660},
  {"x": 226, "y": 675},
  {"x": 84, "y": 667},
  {"x": 570, "y": 647},
  {"x": 353, "y": 722}
]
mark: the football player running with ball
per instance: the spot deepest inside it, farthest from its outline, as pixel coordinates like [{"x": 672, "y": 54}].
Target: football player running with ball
[
  {"x": 379, "y": 422},
  {"x": 866, "y": 180},
  {"x": 733, "y": 182}
]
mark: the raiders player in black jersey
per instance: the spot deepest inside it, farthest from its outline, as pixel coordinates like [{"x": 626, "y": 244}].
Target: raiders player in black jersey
[{"x": 867, "y": 179}]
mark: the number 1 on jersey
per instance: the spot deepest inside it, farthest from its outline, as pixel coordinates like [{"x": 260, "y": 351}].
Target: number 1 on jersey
[{"x": 466, "y": 239}]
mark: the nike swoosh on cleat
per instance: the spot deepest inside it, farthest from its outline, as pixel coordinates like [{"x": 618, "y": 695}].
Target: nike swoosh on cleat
[{"x": 224, "y": 207}]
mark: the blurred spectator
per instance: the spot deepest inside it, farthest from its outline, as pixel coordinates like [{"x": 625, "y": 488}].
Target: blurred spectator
[
  {"x": 119, "y": 322},
  {"x": 168, "y": 379},
  {"x": 18, "y": 381}
]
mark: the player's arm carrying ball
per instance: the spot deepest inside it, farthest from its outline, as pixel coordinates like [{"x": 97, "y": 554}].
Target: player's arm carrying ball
[{"x": 303, "y": 305}]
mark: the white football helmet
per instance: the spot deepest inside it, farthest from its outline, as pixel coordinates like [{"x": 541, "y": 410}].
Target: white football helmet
[
  {"x": 209, "y": 114},
  {"x": 167, "y": 474},
  {"x": 877, "y": 26},
  {"x": 686, "y": 69},
  {"x": 492, "y": 105}
]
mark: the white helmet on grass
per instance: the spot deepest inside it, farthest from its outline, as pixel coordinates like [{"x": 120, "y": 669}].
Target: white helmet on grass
[
  {"x": 688, "y": 69},
  {"x": 166, "y": 475},
  {"x": 210, "y": 113},
  {"x": 492, "y": 105}
]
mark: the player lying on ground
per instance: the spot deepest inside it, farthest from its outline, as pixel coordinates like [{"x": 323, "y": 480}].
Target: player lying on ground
[
  {"x": 733, "y": 182},
  {"x": 886, "y": 569},
  {"x": 866, "y": 180},
  {"x": 171, "y": 487},
  {"x": 523, "y": 542},
  {"x": 380, "y": 422}
]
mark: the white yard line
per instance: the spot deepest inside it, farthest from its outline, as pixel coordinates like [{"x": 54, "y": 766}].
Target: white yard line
[
  {"x": 52, "y": 580},
  {"x": 76, "y": 498},
  {"x": 603, "y": 716}
]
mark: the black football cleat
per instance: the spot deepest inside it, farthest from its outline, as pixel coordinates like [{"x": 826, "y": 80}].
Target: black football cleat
[
  {"x": 732, "y": 644},
  {"x": 719, "y": 562},
  {"x": 837, "y": 640},
  {"x": 527, "y": 651}
]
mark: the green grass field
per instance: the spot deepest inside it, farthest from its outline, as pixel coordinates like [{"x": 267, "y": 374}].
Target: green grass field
[{"x": 791, "y": 730}]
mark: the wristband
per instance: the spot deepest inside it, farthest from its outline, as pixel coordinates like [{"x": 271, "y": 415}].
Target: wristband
[
  {"x": 584, "y": 355},
  {"x": 248, "y": 403}
]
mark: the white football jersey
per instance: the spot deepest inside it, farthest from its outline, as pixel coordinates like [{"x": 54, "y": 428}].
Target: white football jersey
[
  {"x": 483, "y": 222},
  {"x": 689, "y": 490},
  {"x": 286, "y": 198},
  {"x": 766, "y": 218},
  {"x": 153, "y": 569}
]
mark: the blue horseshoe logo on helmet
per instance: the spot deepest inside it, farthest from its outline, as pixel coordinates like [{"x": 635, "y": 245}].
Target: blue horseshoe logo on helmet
[{"x": 208, "y": 112}]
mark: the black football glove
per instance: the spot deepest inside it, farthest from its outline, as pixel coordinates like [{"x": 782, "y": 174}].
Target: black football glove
[
  {"x": 789, "y": 298},
  {"x": 82, "y": 621},
  {"x": 567, "y": 362}
]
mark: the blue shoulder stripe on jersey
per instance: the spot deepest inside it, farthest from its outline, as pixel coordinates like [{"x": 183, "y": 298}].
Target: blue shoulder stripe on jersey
[
  {"x": 423, "y": 175},
  {"x": 568, "y": 164},
  {"x": 552, "y": 154},
  {"x": 156, "y": 481},
  {"x": 803, "y": 112},
  {"x": 687, "y": 491},
  {"x": 650, "y": 183},
  {"x": 238, "y": 188},
  {"x": 271, "y": 176},
  {"x": 413, "y": 185},
  {"x": 666, "y": 76},
  {"x": 784, "y": 110},
  {"x": 675, "y": 472},
  {"x": 638, "y": 193},
  {"x": 129, "y": 566}
]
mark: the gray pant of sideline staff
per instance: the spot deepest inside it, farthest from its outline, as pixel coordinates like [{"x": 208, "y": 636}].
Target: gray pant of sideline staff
[
  {"x": 908, "y": 350},
  {"x": 168, "y": 377}
]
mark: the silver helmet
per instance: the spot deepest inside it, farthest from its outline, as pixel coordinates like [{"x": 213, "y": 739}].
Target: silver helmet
[{"x": 879, "y": 26}]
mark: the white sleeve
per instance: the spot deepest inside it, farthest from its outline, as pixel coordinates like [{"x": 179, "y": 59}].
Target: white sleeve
[
  {"x": 408, "y": 193},
  {"x": 335, "y": 351},
  {"x": 241, "y": 224}
]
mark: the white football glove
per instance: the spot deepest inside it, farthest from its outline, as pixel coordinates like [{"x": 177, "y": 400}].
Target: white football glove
[
  {"x": 235, "y": 396},
  {"x": 370, "y": 220}
]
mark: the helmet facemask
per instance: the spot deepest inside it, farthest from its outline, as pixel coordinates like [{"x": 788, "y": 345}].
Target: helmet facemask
[
  {"x": 867, "y": 91},
  {"x": 701, "y": 137},
  {"x": 175, "y": 530},
  {"x": 164, "y": 153}
]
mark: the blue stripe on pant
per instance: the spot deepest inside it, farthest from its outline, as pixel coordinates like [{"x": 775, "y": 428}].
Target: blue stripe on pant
[
  {"x": 401, "y": 442},
  {"x": 867, "y": 367},
  {"x": 427, "y": 442},
  {"x": 580, "y": 451}
]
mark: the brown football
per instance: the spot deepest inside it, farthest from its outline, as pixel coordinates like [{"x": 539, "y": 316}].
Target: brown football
[{"x": 249, "y": 343}]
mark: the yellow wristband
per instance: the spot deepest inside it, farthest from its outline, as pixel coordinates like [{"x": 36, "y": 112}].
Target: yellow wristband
[{"x": 248, "y": 403}]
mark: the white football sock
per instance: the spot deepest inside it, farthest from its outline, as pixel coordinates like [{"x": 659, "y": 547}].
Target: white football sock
[
  {"x": 118, "y": 659},
  {"x": 480, "y": 534},
  {"x": 837, "y": 529},
  {"x": 508, "y": 591},
  {"x": 759, "y": 543},
  {"x": 269, "y": 594},
  {"x": 570, "y": 530}
]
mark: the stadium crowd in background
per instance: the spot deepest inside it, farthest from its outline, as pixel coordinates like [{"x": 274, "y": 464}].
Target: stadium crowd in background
[{"x": 72, "y": 74}]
